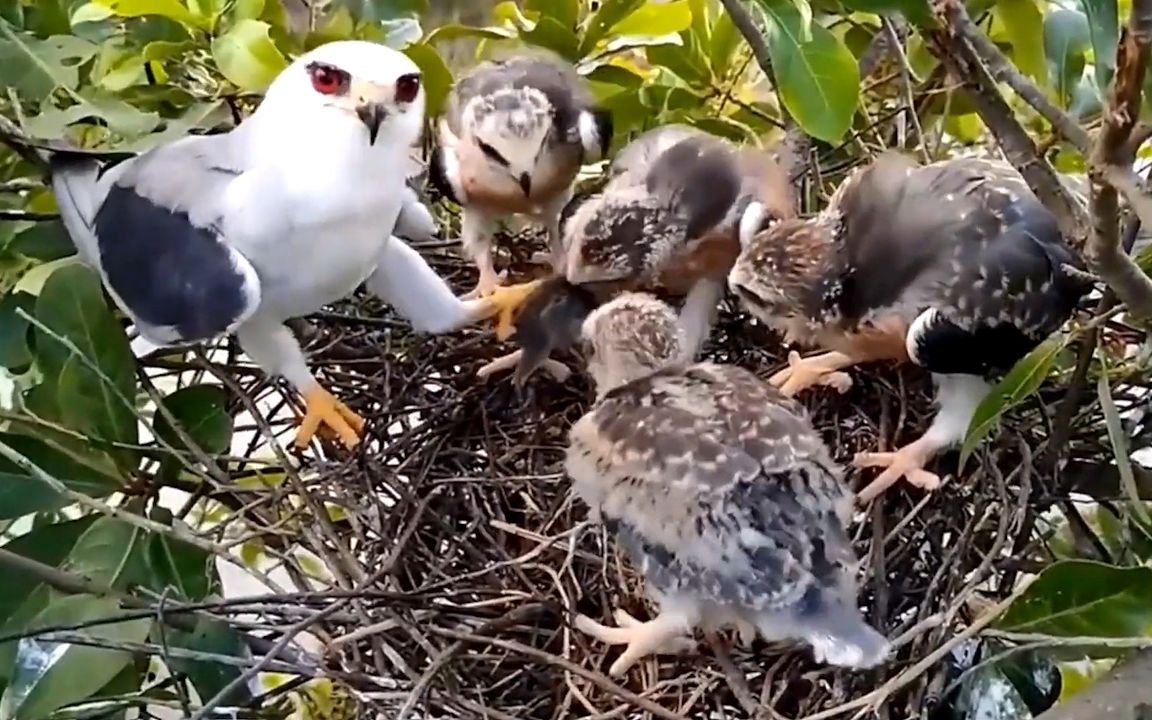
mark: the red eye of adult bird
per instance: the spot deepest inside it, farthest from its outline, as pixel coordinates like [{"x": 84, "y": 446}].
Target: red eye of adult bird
[
  {"x": 407, "y": 86},
  {"x": 326, "y": 79}
]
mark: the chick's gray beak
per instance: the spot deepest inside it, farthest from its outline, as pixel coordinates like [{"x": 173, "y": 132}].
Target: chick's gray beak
[
  {"x": 372, "y": 114},
  {"x": 526, "y": 184}
]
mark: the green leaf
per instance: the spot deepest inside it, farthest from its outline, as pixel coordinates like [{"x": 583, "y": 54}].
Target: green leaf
[
  {"x": 43, "y": 241},
  {"x": 455, "y": 31},
  {"x": 209, "y": 678},
  {"x": 1025, "y": 378},
  {"x": 723, "y": 44},
  {"x": 817, "y": 79},
  {"x": 437, "y": 77},
  {"x": 565, "y": 12},
  {"x": 1024, "y": 25},
  {"x": 71, "y": 305},
  {"x": 119, "y": 116},
  {"x": 601, "y": 22},
  {"x": 1120, "y": 448},
  {"x": 112, "y": 553},
  {"x": 725, "y": 127},
  {"x": 675, "y": 59},
  {"x": 202, "y": 412},
  {"x": 171, "y": 9},
  {"x": 916, "y": 12},
  {"x": 247, "y": 56},
  {"x": 656, "y": 19},
  {"x": 37, "y": 67},
  {"x": 1074, "y": 598},
  {"x": 21, "y": 494},
  {"x": 47, "y": 544},
  {"x": 78, "y": 672},
  {"x": 1104, "y": 28},
  {"x": 550, "y": 34},
  {"x": 1066, "y": 41},
  {"x": 15, "y": 351},
  {"x": 178, "y": 566}
]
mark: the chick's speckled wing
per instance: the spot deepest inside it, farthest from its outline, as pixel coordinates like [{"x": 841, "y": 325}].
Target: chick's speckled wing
[
  {"x": 966, "y": 238},
  {"x": 716, "y": 485},
  {"x": 652, "y": 209}
]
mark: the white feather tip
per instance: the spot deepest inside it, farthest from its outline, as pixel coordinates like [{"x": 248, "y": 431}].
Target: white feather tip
[
  {"x": 751, "y": 222},
  {"x": 590, "y": 138}
]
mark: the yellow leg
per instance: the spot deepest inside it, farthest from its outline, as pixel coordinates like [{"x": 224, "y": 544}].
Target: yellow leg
[
  {"x": 822, "y": 369},
  {"x": 506, "y": 301},
  {"x": 322, "y": 408}
]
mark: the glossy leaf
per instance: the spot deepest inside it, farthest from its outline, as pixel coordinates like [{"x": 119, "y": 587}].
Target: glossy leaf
[
  {"x": 1104, "y": 29},
  {"x": 22, "y": 494},
  {"x": 43, "y": 241},
  {"x": 550, "y": 34},
  {"x": 247, "y": 56},
  {"x": 111, "y": 553},
  {"x": 604, "y": 19},
  {"x": 15, "y": 350},
  {"x": 184, "y": 570},
  {"x": 817, "y": 78},
  {"x": 71, "y": 305},
  {"x": 656, "y": 19},
  {"x": 74, "y": 672},
  {"x": 47, "y": 544},
  {"x": 1024, "y": 24},
  {"x": 210, "y": 678},
  {"x": 437, "y": 76},
  {"x": 1075, "y": 598},
  {"x": 202, "y": 412},
  {"x": 1120, "y": 442},
  {"x": 726, "y": 127},
  {"x": 723, "y": 44},
  {"x": 454, "y": 31},
  {"x": 1066, "y": 40},
  {"x": 679, "y": 61},
  {"x": 1022, "y": 380},
  {"x": 565, "y": 12},
  {"x": 36, "y": 67},
  {"x": 172, "y": 9}
]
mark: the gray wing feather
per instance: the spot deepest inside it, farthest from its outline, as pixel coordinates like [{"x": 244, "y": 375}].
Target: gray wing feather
[
  {"x": 716, "y": 485},
  {"x": 151, "y": 225}
]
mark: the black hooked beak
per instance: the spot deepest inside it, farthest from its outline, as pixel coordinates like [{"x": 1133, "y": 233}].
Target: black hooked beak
[
  {"x": 526, "y": 184},
  {"x": 372, "y": 114}
]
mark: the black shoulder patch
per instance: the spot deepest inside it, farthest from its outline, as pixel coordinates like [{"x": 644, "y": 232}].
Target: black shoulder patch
[
  {"x": 946, "y": 348},
  {"x": 166, "y": 270},
  {"x": 438, "y": 177}
]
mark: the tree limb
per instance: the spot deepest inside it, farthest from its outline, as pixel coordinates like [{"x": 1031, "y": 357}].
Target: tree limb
[
  {"x": 1111, "y": 168},
  {"x": 964, "y": 63}
]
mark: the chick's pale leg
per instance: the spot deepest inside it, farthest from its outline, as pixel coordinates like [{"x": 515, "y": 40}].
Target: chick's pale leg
[
  {"x": 558, "y": 370},
  {"x": 668, "y": 633},
  {"x": 271, "y": 345},
  {"x": 958, "y": 397},
  {"x": 476, "y": 241},
  {"x": 550, "y": 216}
]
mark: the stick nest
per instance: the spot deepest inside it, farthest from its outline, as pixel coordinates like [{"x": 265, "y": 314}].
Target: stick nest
[{"x": 464, "y": 552}]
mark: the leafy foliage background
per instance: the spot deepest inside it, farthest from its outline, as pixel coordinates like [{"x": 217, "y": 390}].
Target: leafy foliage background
[{"x": 132, "y": 491}]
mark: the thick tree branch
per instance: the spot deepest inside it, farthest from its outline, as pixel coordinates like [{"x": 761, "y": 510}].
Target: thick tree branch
[
  {"x": 964, "y": 63},
  {"x": 1111, "y": 168}
]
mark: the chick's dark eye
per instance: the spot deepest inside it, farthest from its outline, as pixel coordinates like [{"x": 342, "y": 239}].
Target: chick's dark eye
[
  {"x": 407, "y": 87},
  {"x": 492, "y": 153},
  {"x": 326, "y": 79}
]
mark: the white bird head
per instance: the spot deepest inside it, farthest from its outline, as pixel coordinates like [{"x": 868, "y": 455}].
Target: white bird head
[
  {"x": 349, "y": 86},
  {"x": 631, "y": 336},
  {"x": 510, "y": 127}
]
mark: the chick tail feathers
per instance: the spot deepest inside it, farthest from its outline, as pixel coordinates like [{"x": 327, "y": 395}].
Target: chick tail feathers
[{"x": 839, "y": 636}]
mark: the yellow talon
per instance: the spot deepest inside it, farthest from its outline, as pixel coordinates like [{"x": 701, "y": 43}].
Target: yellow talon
[
  {"x": 506, "y": 301},
  {"x": 322, "y": 408}
]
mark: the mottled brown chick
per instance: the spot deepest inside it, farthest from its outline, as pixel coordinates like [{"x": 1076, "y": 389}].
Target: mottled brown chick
[
  {"x": 720, "y": 491},
  {"x": 512, "y": 140},
  {"x": 954, "y": 266},
  {"x": 668, "y": 219}
]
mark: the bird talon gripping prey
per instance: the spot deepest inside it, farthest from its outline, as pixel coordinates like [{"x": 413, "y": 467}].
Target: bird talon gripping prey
[
  {"x": 507, "y": 301},
  {"x": 954, "y": 266},
  {"x": 720, "y": 491},
  {"x": 322, "y": 409},
  {"x": 290, "y": 210}
]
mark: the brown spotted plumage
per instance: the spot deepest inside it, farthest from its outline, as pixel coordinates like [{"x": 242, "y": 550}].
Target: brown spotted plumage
[
  {"x": 668, "y": 219},
  {"x": 955, "y": 266},
  {"x": 513, "y": 137},
  {"x": 720, "y": 491}
]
